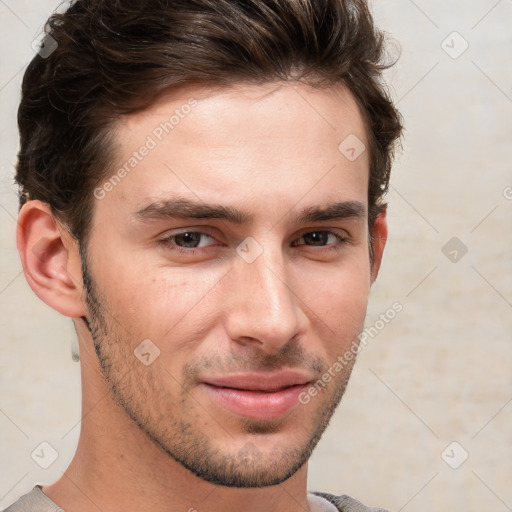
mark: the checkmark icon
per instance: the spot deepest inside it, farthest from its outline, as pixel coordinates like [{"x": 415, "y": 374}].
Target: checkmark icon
[
  {"x": 454, "y": 455},
  {"x": 454, "y": 45},
  {"x": 44, "y": 455},
  {"x": 146, "y": 352},
  {"x": 249, "y": 249}
]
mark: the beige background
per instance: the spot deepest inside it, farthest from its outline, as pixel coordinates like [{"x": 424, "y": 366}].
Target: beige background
[{"x": 439, "y": 372}]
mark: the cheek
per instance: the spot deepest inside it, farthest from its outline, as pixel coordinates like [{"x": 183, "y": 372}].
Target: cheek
[
  {"x": 157, "y": 303},
  {"x": 337, "y": 291},
  {"x": 336, "y": 305},
  {"x": 344, "y": 314}
]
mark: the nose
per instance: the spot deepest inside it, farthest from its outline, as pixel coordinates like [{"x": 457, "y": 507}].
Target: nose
[{"x": 263, "y": 308}]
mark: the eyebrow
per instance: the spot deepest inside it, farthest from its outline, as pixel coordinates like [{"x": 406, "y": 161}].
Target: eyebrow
[{"x": 188, "y": 209}]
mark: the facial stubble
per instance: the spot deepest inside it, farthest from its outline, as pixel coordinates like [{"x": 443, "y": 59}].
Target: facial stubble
[{"x": 135, "y": 388}]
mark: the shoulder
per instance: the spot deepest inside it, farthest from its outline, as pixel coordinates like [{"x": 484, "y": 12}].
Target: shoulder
[
  {"x": 346, "y": 503},
  {"x": 34, "y": 501}
]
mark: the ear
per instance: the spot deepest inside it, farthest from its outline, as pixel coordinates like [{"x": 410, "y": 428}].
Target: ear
[
  {"x": 50, "y": 259},
  {"x": 379, "y": 235}
]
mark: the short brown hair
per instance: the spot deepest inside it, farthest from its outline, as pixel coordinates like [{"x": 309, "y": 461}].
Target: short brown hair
[{"x": 114, "y": 56}]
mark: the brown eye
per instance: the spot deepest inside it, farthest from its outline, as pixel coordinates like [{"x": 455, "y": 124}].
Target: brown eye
[
  {"x": 187, "y": 242},
  {"x": 316, "y": 237},
  {"x": 188, "y": 239},
  {"x": 321, "y": 239}
]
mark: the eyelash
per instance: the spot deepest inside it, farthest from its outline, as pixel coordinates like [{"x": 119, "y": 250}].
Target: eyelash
[{"x": 166, "y": 242}]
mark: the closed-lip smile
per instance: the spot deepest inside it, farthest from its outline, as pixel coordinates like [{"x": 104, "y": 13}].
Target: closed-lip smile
[{"x": 258, "y": 395}]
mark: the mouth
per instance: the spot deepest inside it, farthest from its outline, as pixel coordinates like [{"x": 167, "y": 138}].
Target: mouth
[{"x": 261, "y": 396}]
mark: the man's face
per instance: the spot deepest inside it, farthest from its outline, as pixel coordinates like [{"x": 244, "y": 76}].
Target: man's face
[{"x": 234, "y": 332}]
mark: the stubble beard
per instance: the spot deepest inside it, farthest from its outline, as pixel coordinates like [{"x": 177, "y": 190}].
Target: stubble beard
[{"x": 132, "y": 386}]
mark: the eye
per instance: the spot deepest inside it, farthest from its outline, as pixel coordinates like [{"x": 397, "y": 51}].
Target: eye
[
  {"x": 193, "y": 242},
  {"x": 322, "y": 239},
  {"x": 187, "y": 241}
]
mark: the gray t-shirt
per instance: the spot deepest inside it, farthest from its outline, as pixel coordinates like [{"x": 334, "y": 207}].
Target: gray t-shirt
[{"x": 37, "y": 501}]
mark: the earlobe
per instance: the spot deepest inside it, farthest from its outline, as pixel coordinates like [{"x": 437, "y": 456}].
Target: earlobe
[
  {"x": 50, "y": 259},
  {"x": 379, "y": 234}
]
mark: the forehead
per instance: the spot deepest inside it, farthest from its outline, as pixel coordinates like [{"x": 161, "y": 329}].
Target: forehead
[{"x": 278, "y": 141}]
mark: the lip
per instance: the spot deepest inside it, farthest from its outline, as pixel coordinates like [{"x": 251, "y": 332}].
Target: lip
[{"x": 260, "y": 396}]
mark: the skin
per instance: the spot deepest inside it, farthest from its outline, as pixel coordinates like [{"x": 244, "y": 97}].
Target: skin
[{"x": 154, "y": 437}]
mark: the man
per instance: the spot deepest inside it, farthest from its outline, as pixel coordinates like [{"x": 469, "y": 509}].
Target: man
[{"x": 202, "y": 191}]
